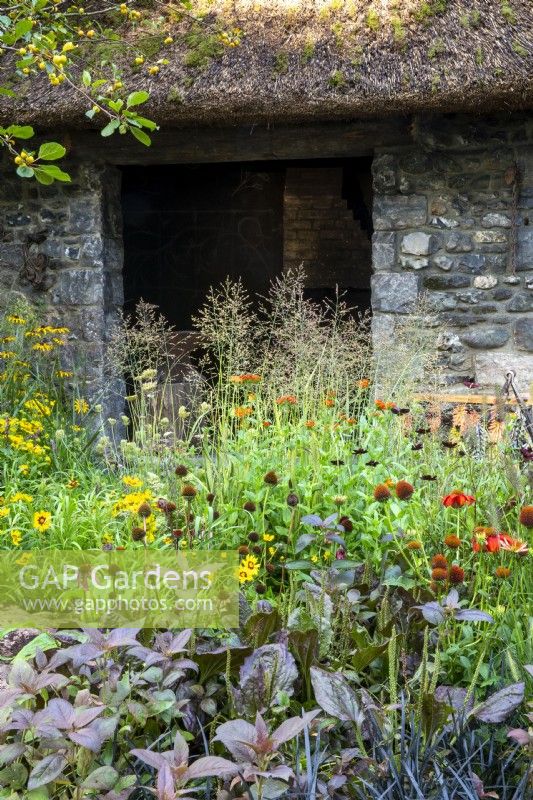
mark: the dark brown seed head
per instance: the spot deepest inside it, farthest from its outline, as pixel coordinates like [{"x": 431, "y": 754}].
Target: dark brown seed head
[
  {"x": 292, "y": 500},
  {"x": 210, "y": 497},
  {"x": 256, "y": 550},
  {"x": 260, "y": 588},
  {"x": 188, "y": 491},
  {"x": 243, "y": 550},
  {"x": 144, "y": 510},
  {"x": 138, "y": 534},
  {"x": 381, "y": 492},
  {"x": 250, "y": 506},
  {"x": 346, "y": 523},
  {"x": 404, "y": 490},
  {"x": 270, "y": 568},
  {"x": 271, "y": 478},
  {"x": 253, "y": 536},
  {"x": 181, "y": 471}
]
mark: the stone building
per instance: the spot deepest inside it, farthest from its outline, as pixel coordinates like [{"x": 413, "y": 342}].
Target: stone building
[{"x": 392, "y": 158}]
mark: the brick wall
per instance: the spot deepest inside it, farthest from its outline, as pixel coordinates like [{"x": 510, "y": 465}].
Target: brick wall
[{"x": 320, "y": 232}]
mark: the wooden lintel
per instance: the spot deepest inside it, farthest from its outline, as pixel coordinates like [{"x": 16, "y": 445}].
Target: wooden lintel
[
  {"x": 252, "y": 143},
  {"x": 472, "y": 399}
]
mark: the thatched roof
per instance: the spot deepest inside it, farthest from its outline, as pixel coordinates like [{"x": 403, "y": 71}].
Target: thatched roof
[{"x": 323, "y": 59}]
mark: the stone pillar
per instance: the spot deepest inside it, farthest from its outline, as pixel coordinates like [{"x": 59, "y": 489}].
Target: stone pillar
[
  {"x": 61, "y": 246},
  {"x": 452, "y": 223}
]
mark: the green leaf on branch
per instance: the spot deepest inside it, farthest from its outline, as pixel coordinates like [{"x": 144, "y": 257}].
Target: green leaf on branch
[
  {"x": 23, "y": 27},
  {"x": 136, "y": 99},
  {"x": 147, "y": 123},
  {"x": 86, "y": 78},
  {"x": 141, "y": 136},
  {"x": 110, "y": 128},
  {"x": 25, "y": 172},
  {"x": 42, "y": 177},
  {"x": 55, "y": 173},
  {"x": 51, "y": 151},
  {"x": 21, "y": 131}
]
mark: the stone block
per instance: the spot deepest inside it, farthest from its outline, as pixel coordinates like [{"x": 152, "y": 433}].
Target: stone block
[
  {"x": 394, "y": 292},
  {"x": 11, "y": 255},
  {"x": 525, "y": 248},
  {"x": 446, "y": 281},
  {"x": 443, "y": 262},
  {"x": 384, "y": 171},
  {"x": 459, "y": 243},
  {"x": 441, "y": 301},
  {"x": 471, "y": 296},
  {"x": 414, "y": 262},
  {"x": 472, "y": 263},
  {"x": 496, "y": 221},
  {"x": 489, "y": 237},
  {"x": 523, "y": 334},
  {"x": 485, "y": 282},
  {"x": 419, "y": 244},
  {"x": 383, "y": 326},
  {"x": 485, "y": 338},
  {"x": 394, "y": 212},
  {"x": 522, "y": 301},
  {"x": 79, "y": 287},
  {"x": 501, "y": 293},
  {"x": 383, "y": 251},
  {"x": 444, "y": 223},
  {"x": 491, "y": 368}
]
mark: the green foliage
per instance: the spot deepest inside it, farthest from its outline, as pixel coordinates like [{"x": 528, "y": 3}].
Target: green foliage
[
  {"x": 308, "y": 51},
  {"x": 398, "y": 29},
  {"x": 337, "y": 79},
  {"x": 519, "y": 49},
  {"x": 428, "y": 9},
  {"x": 281, "y": 63},
  {"x": 471, "y": 19},
  {"x": 436, "y": 48},
  {"x": 373, "y": 20},
  {"x": 203, "y": 47},
  {"x": 479, "y": 55},
  {"x": 508, "y": 11}
]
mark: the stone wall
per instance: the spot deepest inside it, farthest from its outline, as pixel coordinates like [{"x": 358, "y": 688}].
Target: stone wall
[
  {"x": 61, "y": 246},
  {"x": 453, "y": 220}
]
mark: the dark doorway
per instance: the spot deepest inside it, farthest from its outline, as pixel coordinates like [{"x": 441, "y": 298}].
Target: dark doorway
[{"x": 188, "y": 227}]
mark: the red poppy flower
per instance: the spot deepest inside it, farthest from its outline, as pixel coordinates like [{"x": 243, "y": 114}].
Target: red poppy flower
[{"x": 458, "y": 500}]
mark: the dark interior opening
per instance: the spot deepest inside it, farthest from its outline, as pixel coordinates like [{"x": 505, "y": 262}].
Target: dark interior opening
[{"x": 187, "y": 227}]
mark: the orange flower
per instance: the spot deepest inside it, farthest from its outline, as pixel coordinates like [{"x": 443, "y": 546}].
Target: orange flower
[
  {"x": 414, "y": 544},
  {"x": 381, "y": 492},
  {"x": 351, "y": 421},
  {"x": 439, "y": 574},
  {"x": 310, "y": 423},
  {"x": 329, "y": 402},
  {"x": 266, "y": 423},
  {"x": 452, "y": 541},
  {"x": 456, "y": 574},
  {"x": 439, "y": 561},
  {"x": 513, "y": 545},
  {"x": 248, "y": 377},
  {"x": 382, "y": 405},
  {"x": 494, "y": 542},
  {"x": 287, "y": 399},
  {"x": 502, "y": 572},
  {"x": 243, "y": 411},
  {"x": 404, "y": 490},
  {"x": 364, "y": 383},
  {"x": 526, "y": 516},
  {"x": 458, "y": 500}
]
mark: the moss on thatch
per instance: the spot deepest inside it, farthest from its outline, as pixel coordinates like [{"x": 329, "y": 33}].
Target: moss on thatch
[{"x": 291, "y": 60}]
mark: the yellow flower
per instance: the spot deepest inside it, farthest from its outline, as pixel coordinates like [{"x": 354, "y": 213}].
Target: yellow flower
[
  {"x": 16, "y": 537},
  {"x": 268, "y": 537},
  {"x": 42, "y": 521},
  {"x": 44, "y": 347},
  {"x": 132, "y": 480},
  {"x": 81, "y": 406},
  {"x": 314, "y": 559},
  {"x": 271, "y": 551},
  {"x": 26, "y": 557},
  {"x": 24, "y": 469},
  {"x": 21, "y": 497},
  {"x": 14, "y": 319},
  {"x": 63, "y": 373},
  {"x": 327, "y": 555},
  {"x": 4, "y": 511}
]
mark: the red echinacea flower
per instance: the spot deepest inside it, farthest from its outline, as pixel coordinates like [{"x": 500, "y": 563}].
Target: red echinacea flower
[{"x": 458, "y": 500}]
